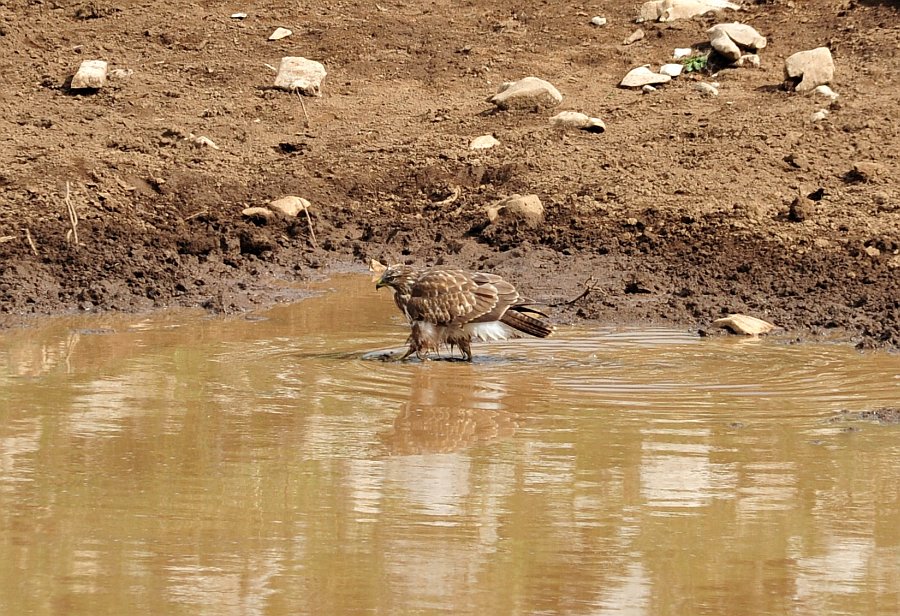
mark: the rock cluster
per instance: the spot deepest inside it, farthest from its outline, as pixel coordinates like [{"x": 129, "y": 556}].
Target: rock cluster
[{"x": 735, "y": 40}]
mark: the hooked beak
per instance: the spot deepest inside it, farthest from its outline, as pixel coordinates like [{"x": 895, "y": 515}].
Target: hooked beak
[{"x": 381, "y": 283}]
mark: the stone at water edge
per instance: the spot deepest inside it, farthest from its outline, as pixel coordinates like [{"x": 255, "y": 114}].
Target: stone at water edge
[
  {"x": 300, "y": 74},
  {"x": 743, "y": 324},
  {"x": 527, "y": 93},
  {"x": 484, "y": 142},
  {"x": 811, "y": 68},
  {"x": 528, "y": 209},
  {"x": 377, "y": 268},
  {"x": 290, "y": 206},
  {"x": 643, "y": 76},
  {"x": 581, "y": 121},
  {"x": 91, "y": 75}
]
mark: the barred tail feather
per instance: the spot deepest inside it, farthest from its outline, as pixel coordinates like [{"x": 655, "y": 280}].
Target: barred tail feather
[{"x": 526, "y": 324}]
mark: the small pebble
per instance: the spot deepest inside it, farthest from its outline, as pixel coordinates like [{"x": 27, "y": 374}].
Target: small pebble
[
  {"x": 706, "y": 89},
  {"x": 598, "y": 21}
]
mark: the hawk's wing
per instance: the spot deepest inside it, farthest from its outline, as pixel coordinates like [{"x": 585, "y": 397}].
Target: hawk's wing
[{"x": 450, "y": 296}]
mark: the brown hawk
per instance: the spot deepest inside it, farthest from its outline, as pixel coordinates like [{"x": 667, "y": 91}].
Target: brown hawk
[{"x": 451, "y": 307}]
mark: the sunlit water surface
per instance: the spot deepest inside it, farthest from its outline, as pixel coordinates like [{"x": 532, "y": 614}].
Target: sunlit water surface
[{"x": 180, "y": 464}]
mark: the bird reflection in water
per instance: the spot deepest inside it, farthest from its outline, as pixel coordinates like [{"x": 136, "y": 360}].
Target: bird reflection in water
[{"x": 449, "y": 409}]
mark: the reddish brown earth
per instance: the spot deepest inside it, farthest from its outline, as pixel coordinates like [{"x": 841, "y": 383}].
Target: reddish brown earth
[{"x": 678, "y": 213}]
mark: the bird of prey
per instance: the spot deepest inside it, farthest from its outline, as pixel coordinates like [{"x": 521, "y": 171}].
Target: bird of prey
[{"x": 451, "y": 307}]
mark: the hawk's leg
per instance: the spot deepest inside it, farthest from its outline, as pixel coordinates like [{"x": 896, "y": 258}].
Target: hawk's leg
[{"x": 465, "y": 346}]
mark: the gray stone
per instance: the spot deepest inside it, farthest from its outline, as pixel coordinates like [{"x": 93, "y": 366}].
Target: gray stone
[
  {"x": 672, "y": 70},
  {"x": 581, "y": 121},
  {"x": 598, "y": 21},
  {"x": 290, "y": 206},
  {"x": 527, "y": 93},
  {"x": 706, "y": 89},
  {"x": 634, "y": 37},
  {"x": 809, "y": 69},
  {"x": 643, "y": 76},
  {"x": 300, "y": 74}
]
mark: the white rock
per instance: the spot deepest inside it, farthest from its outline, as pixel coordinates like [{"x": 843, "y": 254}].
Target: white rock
[
  {"x": 483, "y": 142},
  {"x": 598, "y": 21},
  {"x": 643, "y": 76},
  {"x": 202, "y": 141},
  {"x": 239, "y": 15},
  {"x": 279, "y": 34},
  {"x": 528, "y": 209},
  {"x": 723, "y": 44},
  {"x": 575, "y": 119},
  {"x": 819, "y": 115},
  {"x": 743, "y": 324},
  {"x": 706, "y": 89},
  {"x": 743, "y": 35},
  {"x": 91, "y": 75},
  {"x": 305, "y": 76},
  {"x": 672, "y": 70},
  {"x": 730, "y": 39},
  {"x": 526, "y": 93},
  {"x": 748, "y": 59},
  {"x": 670, "y": 10},
  {"x": 648, "y": 89},
  {"x": 634, "y": 37},
  {"x": 682, "y": 52},
  {"x": 812, "y": 68},
  {"x": 826, "y": 92},
  {"x": 290, "y": 206}
]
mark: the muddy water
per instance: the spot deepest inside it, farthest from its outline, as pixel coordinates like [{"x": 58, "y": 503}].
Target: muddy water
[{"x": 180, "y": 464}]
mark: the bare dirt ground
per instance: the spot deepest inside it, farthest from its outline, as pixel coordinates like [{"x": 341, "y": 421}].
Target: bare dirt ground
[{"x": 678, "y": 213}]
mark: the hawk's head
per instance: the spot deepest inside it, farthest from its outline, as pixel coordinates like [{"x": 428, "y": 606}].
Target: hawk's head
[{"x": 398, "y": 277}]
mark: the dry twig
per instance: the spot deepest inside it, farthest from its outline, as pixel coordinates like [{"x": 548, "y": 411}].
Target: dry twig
[
  {"x": 303, "y": 105},
  {"x": 312, "y": 232},
  {"x": 73, "y": 217},
  {"x": 589, "y": 285},
  {"x": 30, "y": 241}
]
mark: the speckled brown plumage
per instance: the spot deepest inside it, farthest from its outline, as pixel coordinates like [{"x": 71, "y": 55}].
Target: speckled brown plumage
[{"x": 450, "y": 307}]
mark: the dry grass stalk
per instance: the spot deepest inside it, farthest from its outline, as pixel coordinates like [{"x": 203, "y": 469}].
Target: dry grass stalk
[
  {"x": 303, "y": 105},
  {"x": 312, "y": 232},
  {"x": 30, "y": 241},
  {"x": 73, "y": 217}
]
